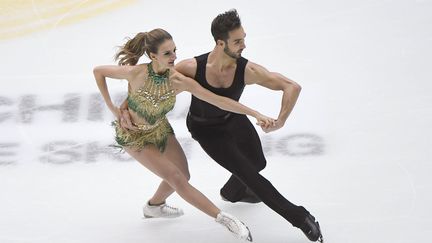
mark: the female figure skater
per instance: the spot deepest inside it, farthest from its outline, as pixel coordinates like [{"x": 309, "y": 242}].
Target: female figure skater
[{"x": 152, "y": 92}]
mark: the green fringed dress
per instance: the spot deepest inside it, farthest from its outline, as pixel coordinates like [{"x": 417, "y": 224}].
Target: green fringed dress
[{"x": 151, "y": 102}]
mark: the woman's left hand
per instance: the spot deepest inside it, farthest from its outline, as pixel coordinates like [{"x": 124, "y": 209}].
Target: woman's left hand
[{"x": 126, "y": 121}]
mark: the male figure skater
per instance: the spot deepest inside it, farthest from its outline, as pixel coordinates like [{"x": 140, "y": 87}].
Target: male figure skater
[{"x": 230, "y": 138}]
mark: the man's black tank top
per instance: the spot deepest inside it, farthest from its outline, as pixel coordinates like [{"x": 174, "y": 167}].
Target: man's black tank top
[{"x": 200, "y": 108}]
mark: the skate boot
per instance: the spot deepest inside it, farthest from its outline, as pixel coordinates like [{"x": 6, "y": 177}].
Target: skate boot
[
  {"x": 237, "y": 227},
  {"x": 161, "y": 211},
  {"x": 312, "y": 229},
  {"x": 248, "y": 197}
]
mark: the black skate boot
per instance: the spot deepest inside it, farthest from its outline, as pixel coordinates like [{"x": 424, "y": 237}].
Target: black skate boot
[
  {"x": 248, "y": 197},
  {"x": 312, "y": 229}
]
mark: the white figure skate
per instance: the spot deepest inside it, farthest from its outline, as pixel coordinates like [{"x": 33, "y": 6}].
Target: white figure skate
[
  {"x": 237, "y": 227},
  {"x": 161, "y": 211}
]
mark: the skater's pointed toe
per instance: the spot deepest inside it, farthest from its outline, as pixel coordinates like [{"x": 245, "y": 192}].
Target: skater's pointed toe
[
  {"x": 237, "y": 227},
  {"x": 311, "y": 229}
]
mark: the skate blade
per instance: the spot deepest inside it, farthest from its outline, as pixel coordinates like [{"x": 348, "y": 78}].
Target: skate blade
[
  {"x": 249, "y": 238},
  {"x": 320, "y": 238}
]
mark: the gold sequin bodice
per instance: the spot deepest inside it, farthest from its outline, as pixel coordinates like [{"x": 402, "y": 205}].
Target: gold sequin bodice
[{"x": 154, "y": 99}]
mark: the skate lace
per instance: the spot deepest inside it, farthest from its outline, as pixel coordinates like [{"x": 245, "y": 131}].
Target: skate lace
[
  {"x": 167, "y": 209},
  {"x": 231, "y": 224}
]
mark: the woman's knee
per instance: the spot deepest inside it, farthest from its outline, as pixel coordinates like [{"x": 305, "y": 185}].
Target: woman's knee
[
  {"x": 185, "y": 170},
  {"x": 188, "y": 176},
  {"x": 176, "y": 179}
]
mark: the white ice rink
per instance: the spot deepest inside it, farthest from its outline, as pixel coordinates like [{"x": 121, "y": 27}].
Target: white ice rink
[{"x": 354, "y": 151}]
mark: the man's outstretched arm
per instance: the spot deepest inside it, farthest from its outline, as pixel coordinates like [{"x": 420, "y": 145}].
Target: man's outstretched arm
[{"x": 256, "y": 74}]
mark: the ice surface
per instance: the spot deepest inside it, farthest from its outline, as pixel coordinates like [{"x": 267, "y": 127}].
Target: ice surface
[{"x": 354, "y": 152}]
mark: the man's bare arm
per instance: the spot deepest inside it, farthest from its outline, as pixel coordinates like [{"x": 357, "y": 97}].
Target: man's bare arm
[
  {"x": 187, "y": 67},
  {"x": 256, "y": 74}
]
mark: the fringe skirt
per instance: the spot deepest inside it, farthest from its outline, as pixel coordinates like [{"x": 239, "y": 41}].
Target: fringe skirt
[{"x": 156, "y": 135}]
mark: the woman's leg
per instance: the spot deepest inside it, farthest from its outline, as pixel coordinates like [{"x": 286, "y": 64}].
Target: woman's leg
[
  {"x": 178, "y": 158},
  {"x": 158, "y": 163}
]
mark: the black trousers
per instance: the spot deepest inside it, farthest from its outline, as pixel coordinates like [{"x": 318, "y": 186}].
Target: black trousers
[{"x": 234, "y": 144}]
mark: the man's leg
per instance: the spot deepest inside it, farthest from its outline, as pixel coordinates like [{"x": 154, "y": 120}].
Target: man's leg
[
  {"x": 236, "y": 191},
  {"x": 246, "y": 139},
  {"x": 228, "y": 145},
  {"x": 220, "y": 143},
  {"x": 225, "y": 153}
]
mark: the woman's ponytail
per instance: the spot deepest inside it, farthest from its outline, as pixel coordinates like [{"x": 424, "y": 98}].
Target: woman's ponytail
[
  {"x": 132, "y": 50},
  {"x": 142, "y": 43}
]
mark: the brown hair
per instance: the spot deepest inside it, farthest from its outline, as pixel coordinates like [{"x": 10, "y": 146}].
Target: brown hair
[
  {"x": 142, "y": 43},
  {"x": 224, "y": 23}
]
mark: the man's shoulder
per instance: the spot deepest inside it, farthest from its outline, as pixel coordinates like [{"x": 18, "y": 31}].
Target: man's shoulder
[
  {"x": 187, "y": 67},
  {"x": 204, "y": 55},
  {"x": 252, "y": 66},
  {"x": 254, "y": 72},
  {"x": 187, "y": 62}
]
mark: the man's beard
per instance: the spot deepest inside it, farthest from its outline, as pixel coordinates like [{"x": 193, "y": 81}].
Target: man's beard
[{"x": 231, "y": 53}]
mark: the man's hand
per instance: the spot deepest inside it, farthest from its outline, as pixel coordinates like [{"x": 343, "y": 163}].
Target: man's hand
[
  {"x": 125, "y": 120},
  {"x": 277, "y": 124},
  {"x": 265, "y": 121}
]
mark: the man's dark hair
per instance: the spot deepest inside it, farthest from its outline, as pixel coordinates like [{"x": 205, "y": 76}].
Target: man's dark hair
[{"x": 225, "y": 23}]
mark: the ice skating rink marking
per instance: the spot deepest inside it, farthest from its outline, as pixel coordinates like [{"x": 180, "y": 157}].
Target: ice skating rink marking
[{"x": 19, "y": 18}]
